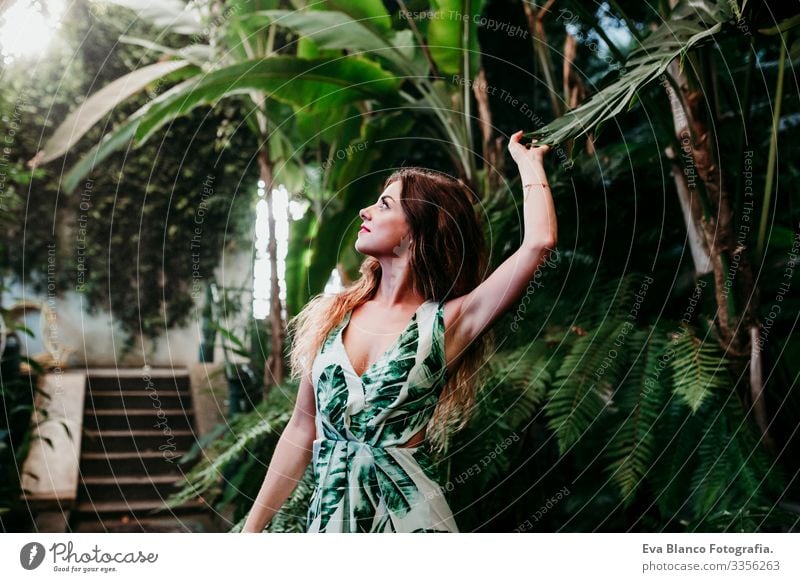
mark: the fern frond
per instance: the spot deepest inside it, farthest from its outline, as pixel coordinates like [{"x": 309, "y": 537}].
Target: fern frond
[
  {"x": 292, "y": 515},
  {"x": 699, "y": 368},
  {"x": 748, "y": 518},
  {"x": 525, "y": 371},
  {"x": 584, "y": 382},
  {"x": 712, "y": 473},
  {"x": 612, "y": 299},
  {"x": 515, "y": 386},
  {"x": 641, "y": 398},
  {"x": 742, "y": 465},
  {"x": 247, "y": 433},
  {"x": 677, "y": 442}
]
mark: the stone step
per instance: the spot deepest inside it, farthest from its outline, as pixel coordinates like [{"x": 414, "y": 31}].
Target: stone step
[
  {"x": 122, "y": 509},
  {"x": 133, "y": 381},
  {"x": 126, "y": 399},
  {"x": 165, "y": 419},
  {"x": 190, "y": 523},
  {"x": 132, "y": 463},
  {"x": 148, "y": 440},
  {"x": 137, "y": 425},
  {"x": 127, "y": 488}
]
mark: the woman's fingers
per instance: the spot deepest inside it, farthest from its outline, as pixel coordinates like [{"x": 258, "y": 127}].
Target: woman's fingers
[
  {"x": 514, "y": 139},
  {"x": 534, "y": 149}
]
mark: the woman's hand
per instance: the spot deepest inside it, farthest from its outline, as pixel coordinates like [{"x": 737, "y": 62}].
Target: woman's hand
[{"x": 524, "y": 155}]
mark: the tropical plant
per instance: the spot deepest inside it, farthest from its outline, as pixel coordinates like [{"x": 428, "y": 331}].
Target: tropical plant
[
  {"x": 686, "y": 28},
  {"x": 235, "y": 457},
  {"x": 20, "y": 414}
]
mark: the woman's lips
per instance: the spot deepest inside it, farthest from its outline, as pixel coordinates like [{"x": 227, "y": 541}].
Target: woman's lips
[{"x": 363, "y": 229}]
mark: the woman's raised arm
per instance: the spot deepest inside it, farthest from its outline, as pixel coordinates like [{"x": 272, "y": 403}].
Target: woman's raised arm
[{"x": 478, "y": 309}]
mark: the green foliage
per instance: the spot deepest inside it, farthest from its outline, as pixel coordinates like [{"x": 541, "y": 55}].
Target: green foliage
[
  {"x": 145, "y": 207},
  {"x": 20, "y": 413},
  {"x": 639, "y": 400},
  {"x": 652, "y": 444},
  {"x": 16, "y": 405},
  {"x": 690, "y": 25},
  {"x": 699, "y": 368},
  {"x": 452, "y": 22},
  {"x": 234, "y": 462},
  {"x": 585, "y": 380},
  {"x": 489, "y": 448}
]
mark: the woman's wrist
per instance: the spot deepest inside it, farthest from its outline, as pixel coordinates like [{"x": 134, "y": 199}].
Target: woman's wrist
[{"x": 532, "y": 171}]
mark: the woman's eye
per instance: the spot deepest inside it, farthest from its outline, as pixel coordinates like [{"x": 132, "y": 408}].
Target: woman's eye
[{"x": 383, "y": 203}]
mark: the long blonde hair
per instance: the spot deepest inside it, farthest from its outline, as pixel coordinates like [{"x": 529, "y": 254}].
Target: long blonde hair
[{"x": 448, "y": 258}]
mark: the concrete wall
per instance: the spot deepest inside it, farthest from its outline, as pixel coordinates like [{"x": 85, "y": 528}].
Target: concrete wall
[{"x": 97, "y": 341}]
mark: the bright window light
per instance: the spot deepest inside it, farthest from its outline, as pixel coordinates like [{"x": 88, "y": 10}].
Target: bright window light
[{"x": 28, "y": 26}]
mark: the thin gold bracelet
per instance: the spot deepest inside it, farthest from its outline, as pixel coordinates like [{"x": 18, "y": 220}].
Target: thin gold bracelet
[{"x": 525, "y": 188}]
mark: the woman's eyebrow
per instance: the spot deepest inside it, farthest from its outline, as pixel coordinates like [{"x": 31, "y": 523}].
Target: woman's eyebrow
[{"x": 387, "y": 196}]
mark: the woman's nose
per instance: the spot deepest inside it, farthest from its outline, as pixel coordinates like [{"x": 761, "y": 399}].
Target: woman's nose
[{"x": 363, "y": 214}]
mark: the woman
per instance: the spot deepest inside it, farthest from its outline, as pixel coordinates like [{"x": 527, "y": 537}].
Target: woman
[{"x": 391, "y": 358}]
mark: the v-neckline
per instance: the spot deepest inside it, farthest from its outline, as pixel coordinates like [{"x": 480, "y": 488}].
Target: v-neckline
[{"x": 340, "y": 336}]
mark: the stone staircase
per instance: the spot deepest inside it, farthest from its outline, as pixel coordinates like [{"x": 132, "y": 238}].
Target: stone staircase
[{"x": 136, "y": 427}]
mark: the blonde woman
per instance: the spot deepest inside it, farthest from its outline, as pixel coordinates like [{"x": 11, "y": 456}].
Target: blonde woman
[{"x": 395, "y": 357}]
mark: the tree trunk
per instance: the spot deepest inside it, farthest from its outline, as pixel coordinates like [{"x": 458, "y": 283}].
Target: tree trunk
[
  {"x": 274, "y": 368},
  {"x": 535, "y": 17},
  {"x": 697, "y": 241},
  {"x": 493, "y": 160},
  {"x": 737, "y": 322}
]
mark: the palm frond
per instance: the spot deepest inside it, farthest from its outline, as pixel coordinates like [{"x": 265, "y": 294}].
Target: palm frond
[{"x": 690, "y": 25}]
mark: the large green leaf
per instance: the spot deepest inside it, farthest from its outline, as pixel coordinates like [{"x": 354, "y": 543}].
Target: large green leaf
[
  {"x": 371, "y": 13},
  {"x": 110, "y": 143},
  {"x": 103, "y": 101},
  {"x": 691, "y": 24},
  {"x": 336, "y": 126},
  {"x": 332, "y": 30},
  {"x": 337, "y": 30},
  {"x": 197, "y": 54},
  {"x": 297, "y": 262},
  {"x": 305, "y": 83},
  {"x": 453, "y": 35}
]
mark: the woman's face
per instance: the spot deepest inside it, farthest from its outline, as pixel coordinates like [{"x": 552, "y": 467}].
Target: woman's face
[{"x": 386, "y": 224}]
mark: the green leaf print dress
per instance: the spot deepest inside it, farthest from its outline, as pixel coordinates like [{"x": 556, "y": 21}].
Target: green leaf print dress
[{"x": 366, "y": 481}]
